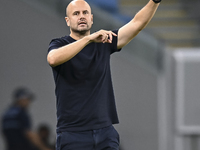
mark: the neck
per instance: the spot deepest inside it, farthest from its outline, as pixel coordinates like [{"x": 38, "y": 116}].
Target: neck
[{"x": 79, "y": 35}]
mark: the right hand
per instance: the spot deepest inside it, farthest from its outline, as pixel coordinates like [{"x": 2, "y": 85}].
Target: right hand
[{"x": 102, "y": 36}]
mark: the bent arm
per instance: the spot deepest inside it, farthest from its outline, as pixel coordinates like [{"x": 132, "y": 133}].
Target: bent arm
[
  {"x": 139, "y": 22},
  {"x": 65, "y": 53}
]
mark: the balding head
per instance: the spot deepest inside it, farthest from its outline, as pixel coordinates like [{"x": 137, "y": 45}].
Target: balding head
[
  {"x": 76, "y": 3},
  {"x": 79, "y": 18}
]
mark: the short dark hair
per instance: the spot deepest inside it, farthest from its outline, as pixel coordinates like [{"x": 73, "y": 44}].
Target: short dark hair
[{"x": 21, "y": 93}]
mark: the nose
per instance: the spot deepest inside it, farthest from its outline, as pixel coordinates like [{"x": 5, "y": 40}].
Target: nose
[{"x": 82, "y": 15}]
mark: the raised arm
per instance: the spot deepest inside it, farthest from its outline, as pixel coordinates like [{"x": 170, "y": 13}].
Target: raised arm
[{"x": 139, "y": 22}]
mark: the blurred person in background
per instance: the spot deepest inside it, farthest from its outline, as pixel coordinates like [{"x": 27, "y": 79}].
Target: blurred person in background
[
  {"x": 80, "y": 63},
  {"x": 16, "y": 123},
  {"x": 44, "y": 133}
]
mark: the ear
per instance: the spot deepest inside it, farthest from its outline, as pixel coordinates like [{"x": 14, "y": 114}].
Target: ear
[
  {"x": 67, "y": 21},
  {"x": 92, "y": 18}
]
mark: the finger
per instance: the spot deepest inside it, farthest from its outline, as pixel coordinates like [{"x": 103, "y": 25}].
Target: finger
[
  {"x": 100, "y": 36},
  {"x": 110, "y": 38},
  {"x": 105, "y": 38},
  {"x": 113, "y": 34}
]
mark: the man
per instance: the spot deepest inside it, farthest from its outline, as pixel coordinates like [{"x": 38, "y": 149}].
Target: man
[
  {"x": 81, "y": 67},
  {"x": 16, "y": 123}
]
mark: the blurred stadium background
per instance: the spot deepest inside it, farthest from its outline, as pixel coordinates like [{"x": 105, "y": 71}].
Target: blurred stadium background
[{"x": 156, "y": 77}]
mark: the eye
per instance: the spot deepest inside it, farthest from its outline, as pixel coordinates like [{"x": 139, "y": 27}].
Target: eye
[
  {"x": 76, "y": 13},
  {"x": 85, "y": 12}
]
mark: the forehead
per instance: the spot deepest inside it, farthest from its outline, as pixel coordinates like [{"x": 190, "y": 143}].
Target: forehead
[{"x": 77, "y": 5}]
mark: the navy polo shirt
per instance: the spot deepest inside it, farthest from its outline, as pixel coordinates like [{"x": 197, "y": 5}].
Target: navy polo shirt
[{"x": 84, "y": 91}]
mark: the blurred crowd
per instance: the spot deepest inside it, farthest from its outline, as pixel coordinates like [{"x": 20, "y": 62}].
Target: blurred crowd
[{"x": 17, "y": 127}]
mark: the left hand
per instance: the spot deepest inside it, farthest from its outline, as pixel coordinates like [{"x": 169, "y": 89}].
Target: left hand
[{"x": 102, "y": 36}]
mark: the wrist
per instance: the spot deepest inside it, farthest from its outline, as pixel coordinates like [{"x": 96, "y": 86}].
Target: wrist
[
  {"x": 156, "y": 1},
  {"x": 87, "y": 39}
]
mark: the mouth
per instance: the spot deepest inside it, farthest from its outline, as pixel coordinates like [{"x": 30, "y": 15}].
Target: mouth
[{"x": 82, "y": 23}]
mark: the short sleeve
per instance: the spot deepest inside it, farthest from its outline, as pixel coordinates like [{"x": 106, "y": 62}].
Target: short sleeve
[
  {"x": 56, "y": 43},
  {"x": 114, "y": 43}
]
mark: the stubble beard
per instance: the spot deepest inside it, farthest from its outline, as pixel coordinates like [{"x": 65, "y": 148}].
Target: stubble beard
[{"x": 81, "y": 31}]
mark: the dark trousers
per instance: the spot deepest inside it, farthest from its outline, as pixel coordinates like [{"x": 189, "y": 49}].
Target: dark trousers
[{"x": 101, "y": 139}]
